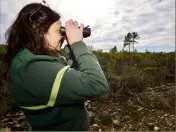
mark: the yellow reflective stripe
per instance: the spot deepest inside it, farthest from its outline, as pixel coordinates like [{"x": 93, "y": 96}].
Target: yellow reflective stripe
[
  {"x": 54, "y": 91},
  {"x": 56, "y": 86},
  {"x": 35, "y": 107}
]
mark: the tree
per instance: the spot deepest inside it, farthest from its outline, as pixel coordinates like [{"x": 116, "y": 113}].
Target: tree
[
  {"x": 113, "y": 50},
  {"x": 134, "y": 37},
  {"x": 127, "y": 40},
  {"x": 100, "y": 50},
  {"x": 125, "y": 43},
  {"x": 135, "y": 51},
  {"x": 131, "y": 38},
  {"x": 91, "y": 48}
]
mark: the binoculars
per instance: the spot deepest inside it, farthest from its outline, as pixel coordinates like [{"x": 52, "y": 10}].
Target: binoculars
[
  {"x": 70, "y": 55},
  {"x": 86, "y": 32}
]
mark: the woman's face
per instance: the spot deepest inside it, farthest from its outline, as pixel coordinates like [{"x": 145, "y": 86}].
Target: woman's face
[{"x": 53, "y": 35}]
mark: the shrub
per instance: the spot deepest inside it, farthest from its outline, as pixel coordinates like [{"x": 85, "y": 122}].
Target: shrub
[
  {"x": 6, "y": 101},
  {"x": 133, "y": 79},
  {"x": 156, "y": 76}
]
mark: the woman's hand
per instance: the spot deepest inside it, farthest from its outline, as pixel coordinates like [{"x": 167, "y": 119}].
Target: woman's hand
[{"x": 73, "y": 33}]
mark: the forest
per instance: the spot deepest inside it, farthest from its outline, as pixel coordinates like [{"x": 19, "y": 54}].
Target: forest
[{"x": 141, "y": 97}]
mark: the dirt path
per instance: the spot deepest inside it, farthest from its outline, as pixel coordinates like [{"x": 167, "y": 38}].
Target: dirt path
[{"x": 152, "y": 110}]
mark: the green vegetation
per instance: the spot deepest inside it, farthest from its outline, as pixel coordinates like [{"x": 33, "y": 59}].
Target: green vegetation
[
  {"x": 130, "y": 75},
  {"x": 132, "y": 70},
  {"x": 137, "y": 70}
]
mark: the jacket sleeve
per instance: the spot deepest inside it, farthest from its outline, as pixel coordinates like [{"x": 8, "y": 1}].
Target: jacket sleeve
[
  {"x": 86, "y": 82},
  {"x": 52, "y": 81}
]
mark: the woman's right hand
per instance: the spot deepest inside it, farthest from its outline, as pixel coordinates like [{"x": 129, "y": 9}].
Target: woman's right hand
[{"x": 73, "y": 33}]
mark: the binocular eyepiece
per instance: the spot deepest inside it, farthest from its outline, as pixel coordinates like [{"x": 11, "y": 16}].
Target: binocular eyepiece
[{"x": 86, "y": 32}]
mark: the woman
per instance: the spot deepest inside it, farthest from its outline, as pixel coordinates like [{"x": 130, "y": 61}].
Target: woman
[{"x": 48, "y": 91}]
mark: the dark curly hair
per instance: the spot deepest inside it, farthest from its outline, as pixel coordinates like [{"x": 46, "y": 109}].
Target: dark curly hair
[{"x": 28, "y": 30}]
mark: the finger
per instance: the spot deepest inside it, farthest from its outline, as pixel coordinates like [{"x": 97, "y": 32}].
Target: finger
[
  {"x": 71, "y": 22},
  {"x": 81, "y": 27},
  {"x": 76, "y": 23},
  {"x": 66, "y": 24}
]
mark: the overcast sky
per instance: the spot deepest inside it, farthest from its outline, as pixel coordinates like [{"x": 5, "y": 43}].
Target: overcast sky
[{"x": 110, "y": 20}]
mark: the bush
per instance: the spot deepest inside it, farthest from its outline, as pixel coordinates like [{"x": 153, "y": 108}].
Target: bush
[
  {"x": 6, "y": 101},
  {"x": 156, "y": 76},
  {"x": 115, "y": 82},
  {"x": 133, "y": 79}
]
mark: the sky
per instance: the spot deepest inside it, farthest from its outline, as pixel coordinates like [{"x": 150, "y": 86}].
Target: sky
[{"x": 110, "y": 21}]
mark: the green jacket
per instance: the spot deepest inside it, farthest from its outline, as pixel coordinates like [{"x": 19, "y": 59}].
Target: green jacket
[{"x": 50, "y": 93}]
